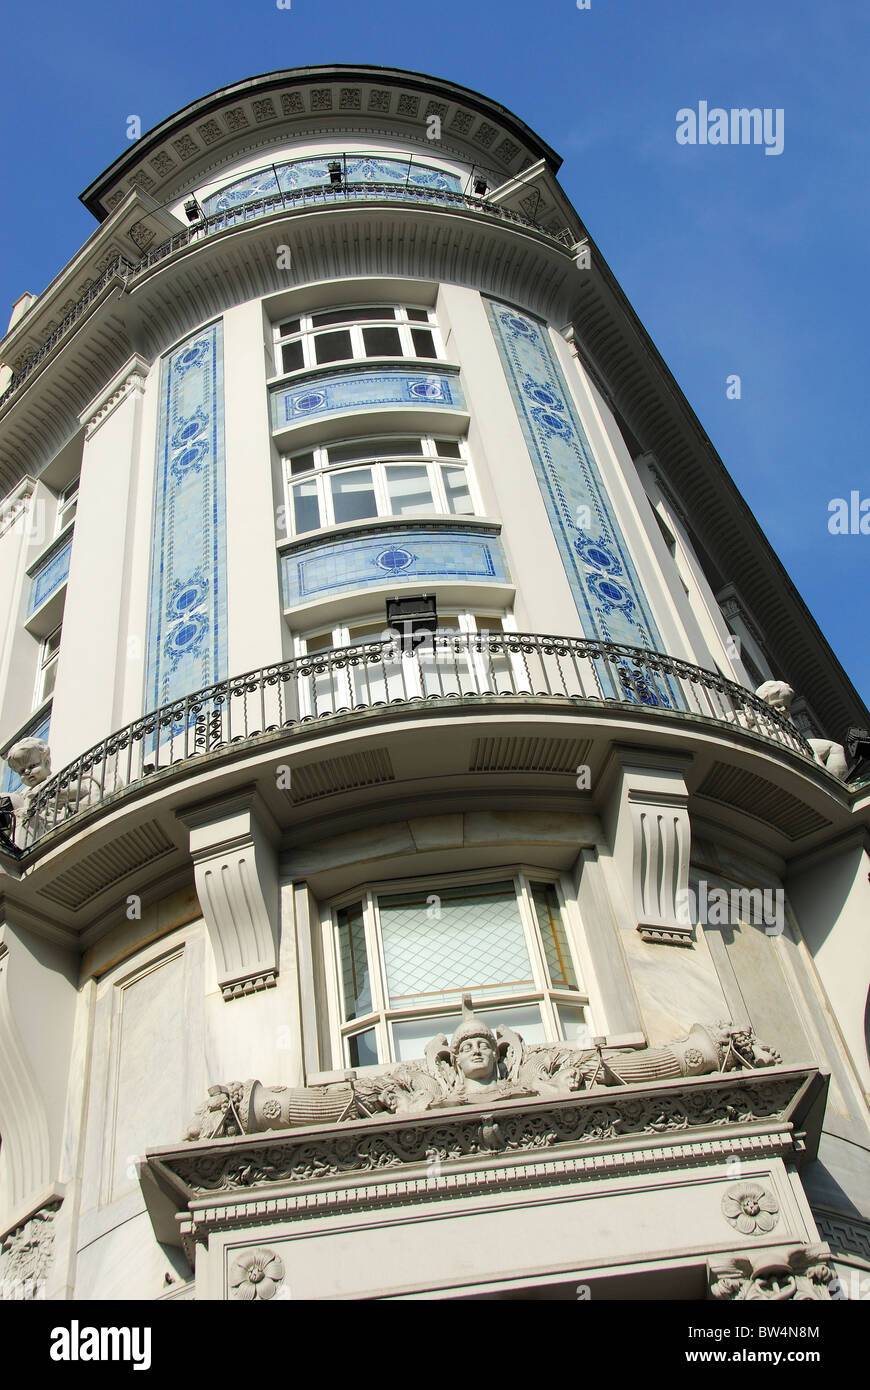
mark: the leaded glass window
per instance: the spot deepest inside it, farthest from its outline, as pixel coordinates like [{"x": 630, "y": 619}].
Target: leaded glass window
[{"x": 404, "y": 957}]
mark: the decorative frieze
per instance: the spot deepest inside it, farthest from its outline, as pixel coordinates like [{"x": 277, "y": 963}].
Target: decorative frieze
[{"x": 666, "y": 1112}]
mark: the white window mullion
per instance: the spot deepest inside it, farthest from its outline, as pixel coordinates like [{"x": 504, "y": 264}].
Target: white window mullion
[
  {"x": 324, "y": 497},
  {"x": 382, "y": 494},
  {"x": 334, "y": 1006},
  {"x": 533, "y": 937}
]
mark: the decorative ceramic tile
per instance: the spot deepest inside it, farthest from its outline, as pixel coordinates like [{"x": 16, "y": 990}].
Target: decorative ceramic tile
[
  {"x": 600, "y": 570},
  {"x": 49, "y": 577},
  {"x": 362, "y": 390},
  {"x": 187, "y": 637},
  {"x": 314, "y": 173},
  {"x": 400, "y": 557}
]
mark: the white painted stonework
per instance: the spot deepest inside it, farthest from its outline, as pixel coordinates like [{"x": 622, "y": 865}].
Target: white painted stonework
[{"x": 237, "y": 930}]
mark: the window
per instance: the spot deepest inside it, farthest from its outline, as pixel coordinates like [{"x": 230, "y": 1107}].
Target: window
[
  {"x": 403, "y": 958},
  {"x": 47, "y": 675},
  {"x": 365, "y": 478},
  {"x": 356, "y": 333},
  {"x": 66, "y": 505}
]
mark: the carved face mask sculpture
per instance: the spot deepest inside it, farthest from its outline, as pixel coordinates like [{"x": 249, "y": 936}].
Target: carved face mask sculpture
[{"x": 477, "y": 1059}]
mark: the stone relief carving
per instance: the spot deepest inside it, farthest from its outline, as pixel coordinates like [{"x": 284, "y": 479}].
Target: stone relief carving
[
  {"x": 476, "y": 1067},
  {"x": 750, "y": 1209},
  {"x": 802, "y": 1275},
  {"x": 25, "y": 1256},
  {"x": 256, "y": 1274},
  {"x": 830, "y": 755},
  {"x": 336, "y": 1151}
]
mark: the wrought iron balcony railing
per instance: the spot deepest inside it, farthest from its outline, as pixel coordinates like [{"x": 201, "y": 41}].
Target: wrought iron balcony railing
[
  {"x": 394, "y": 673},
  {"x": 296, "y": 200}
]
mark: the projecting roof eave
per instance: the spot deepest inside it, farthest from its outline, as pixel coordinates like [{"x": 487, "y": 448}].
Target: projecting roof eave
[
  {"x": 809, "y": 664},
  {"x": 271, "y": 81}
]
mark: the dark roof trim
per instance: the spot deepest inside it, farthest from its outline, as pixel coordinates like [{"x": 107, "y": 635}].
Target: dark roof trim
[{"x": 267, "y": 82}]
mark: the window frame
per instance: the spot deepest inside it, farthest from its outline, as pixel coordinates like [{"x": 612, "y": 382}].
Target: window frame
[
  {"x": 308, "y": 332},
  {"x": 380, "y": 1018},
  {"x": 47, "y": 662},
  {"x": 67, "y": 505},
  {"x": 322, "y": 472}
]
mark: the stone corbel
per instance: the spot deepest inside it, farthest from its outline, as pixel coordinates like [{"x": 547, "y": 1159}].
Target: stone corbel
[
  {"x": 647, "y": 820},
  {"x": 233, "y": 847},
  {"x": 35, "y": 1048},
  {"x": 775, "y": 1276}
]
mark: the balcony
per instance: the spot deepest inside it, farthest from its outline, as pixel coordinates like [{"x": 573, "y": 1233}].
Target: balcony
[
  {"x": 491, "y": 674},
  {"x": 124, "y": 273}
]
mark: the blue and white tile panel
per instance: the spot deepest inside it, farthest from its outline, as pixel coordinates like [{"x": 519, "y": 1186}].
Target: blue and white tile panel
[
  {"x": 187, "y": 631},
  {"x": 602, "y": 575},
  {"x": 314, "y": 173},
  {"x": 49, "y": 577},
  {"x": 413, "y": 556},
  {"x": 292, "y": 405}
]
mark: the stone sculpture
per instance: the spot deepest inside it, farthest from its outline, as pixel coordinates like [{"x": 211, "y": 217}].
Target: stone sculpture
[
  {"x": 31, "y": 759},
  {"x": 477, "y": 1066},
  {"x": 829, "y": 755},
  {"x": 803, "y": 1275}
]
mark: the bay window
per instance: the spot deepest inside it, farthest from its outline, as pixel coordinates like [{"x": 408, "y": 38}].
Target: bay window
[
  {"x": 358, "y": 480},
  {"x": 355, "y": 334}
]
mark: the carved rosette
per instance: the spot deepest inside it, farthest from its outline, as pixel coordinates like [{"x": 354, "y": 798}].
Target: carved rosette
[
  {"x": 256, "y": 1274},
  {"x": 750, "y": 1209},
  {"x": 25, "y": 1256},
  {"x": 803, "y": 1275}
]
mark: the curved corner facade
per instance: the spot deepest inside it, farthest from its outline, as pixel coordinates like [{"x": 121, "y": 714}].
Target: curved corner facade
[{"x": 364, "y": 593}]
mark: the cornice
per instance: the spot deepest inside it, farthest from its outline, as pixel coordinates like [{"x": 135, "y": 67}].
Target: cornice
[
  {"x": 604, "y": 1132},
  {"x": 193, "y": 130}
]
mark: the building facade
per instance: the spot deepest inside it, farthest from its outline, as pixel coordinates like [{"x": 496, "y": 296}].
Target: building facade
[{"x": 383, "y": 629}]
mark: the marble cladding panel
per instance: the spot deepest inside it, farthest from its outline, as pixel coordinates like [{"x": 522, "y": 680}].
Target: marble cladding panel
[
  {"x": 363, "y": 390},
  {"x": 187, "y": 632},
  {"x": 314, "y": 173},
  {"x": 400, "y": 557},
  {"x": 49, "y": 577},
  {"x": 600, "y": 570},
  {"x": 149, "y": 1045}
]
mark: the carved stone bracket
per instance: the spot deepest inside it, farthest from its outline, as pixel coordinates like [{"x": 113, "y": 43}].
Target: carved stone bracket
[
  {"x": 130, "y": 379},
  {"x": 650, "y": 835},
  {"x": 232, "y": 844},
  {"x": 802, "y": 1274}
]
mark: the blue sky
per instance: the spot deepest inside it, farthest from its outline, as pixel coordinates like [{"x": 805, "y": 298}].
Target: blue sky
[{"x": 735, "y": 261}]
